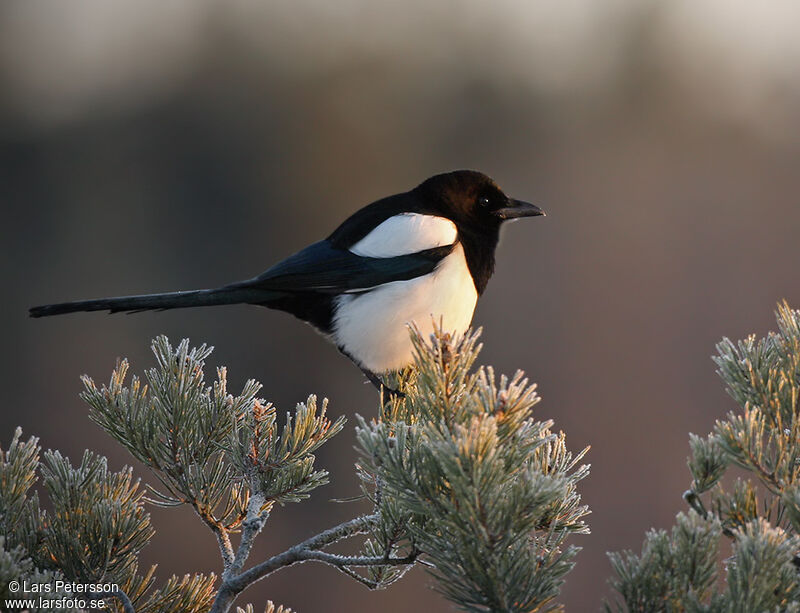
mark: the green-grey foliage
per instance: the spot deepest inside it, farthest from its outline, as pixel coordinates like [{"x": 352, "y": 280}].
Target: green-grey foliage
[
  {"x": 462, "y": 473},
  {"x": 218, "y": 452},
  {"x": 675, "y": 571},
  {"x": 93, "y": 533},
  {"x": 759, "y": 514},
  {"x": 21, "y": 521},
  {"x": 281, "y": 465},
  {"x": 179, "y": 427},
  {"x": 457, "y": 474},
  {"x": 114, "y": 500}
]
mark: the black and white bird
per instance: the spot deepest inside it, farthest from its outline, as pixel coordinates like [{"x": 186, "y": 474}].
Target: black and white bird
[{"x": 421, "y": 256}]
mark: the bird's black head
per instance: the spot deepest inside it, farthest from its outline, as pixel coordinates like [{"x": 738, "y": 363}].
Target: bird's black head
[
  {"x": 474, "y": 201},
  {"x": 478, "y": 207}
]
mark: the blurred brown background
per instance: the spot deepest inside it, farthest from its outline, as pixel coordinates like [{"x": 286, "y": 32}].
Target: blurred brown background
[{"x": 155, "y": 146}]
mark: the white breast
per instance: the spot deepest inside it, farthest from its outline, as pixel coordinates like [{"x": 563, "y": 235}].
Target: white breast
[
  {"x": 406, "y": 233},
  {"x": 373, "y": 327}
]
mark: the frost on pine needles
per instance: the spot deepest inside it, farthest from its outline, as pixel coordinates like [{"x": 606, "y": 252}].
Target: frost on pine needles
[
  {"x": 456, "y": 475},
  {"x": 757, "y": 511}
]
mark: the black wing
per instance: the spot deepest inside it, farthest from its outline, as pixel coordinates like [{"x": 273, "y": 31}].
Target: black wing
[{"x": 323, "y": 268}]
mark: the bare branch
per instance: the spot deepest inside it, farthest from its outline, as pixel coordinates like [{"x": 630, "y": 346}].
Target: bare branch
[
  {"x": 252, "y": 526},
  {"x": 339, "y": 560},
  {"x": 302, "y": 552}
]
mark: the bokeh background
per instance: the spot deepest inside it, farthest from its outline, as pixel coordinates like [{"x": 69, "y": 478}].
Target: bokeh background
[{"x": 154, "y": 146}]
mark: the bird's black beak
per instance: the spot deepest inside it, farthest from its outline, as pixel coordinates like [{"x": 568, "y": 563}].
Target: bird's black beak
[{"x": 518, "y": 209}]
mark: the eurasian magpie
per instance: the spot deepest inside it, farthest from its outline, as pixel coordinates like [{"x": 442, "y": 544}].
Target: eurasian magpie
[{"x": 421, "y": 256}]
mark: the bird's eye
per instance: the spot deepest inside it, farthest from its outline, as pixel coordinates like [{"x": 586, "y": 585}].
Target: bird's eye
[{"x": 483, "y": 201}]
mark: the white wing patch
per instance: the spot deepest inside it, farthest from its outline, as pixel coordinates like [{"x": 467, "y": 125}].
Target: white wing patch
[{"x": 406, "y": 233}]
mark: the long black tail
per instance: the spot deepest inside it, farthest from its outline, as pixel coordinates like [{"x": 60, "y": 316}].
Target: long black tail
[{"x": 173, "y": 300}]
